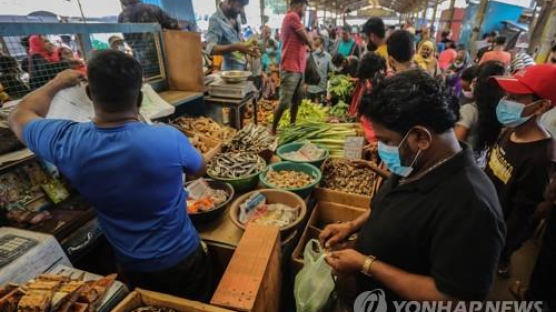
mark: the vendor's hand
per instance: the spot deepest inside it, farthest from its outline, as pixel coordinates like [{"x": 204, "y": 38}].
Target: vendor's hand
[
  {"x": 345, "y": 261},
  {"x": 249, "y": 50},
  {"x": 68, "y": 78},
  {"x": 334, "y": 234}
]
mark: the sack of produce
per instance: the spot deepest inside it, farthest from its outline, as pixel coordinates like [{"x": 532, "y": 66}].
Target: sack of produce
[
  {"x": 314, "y": 283},
  {"x": 312, "y": 76}
]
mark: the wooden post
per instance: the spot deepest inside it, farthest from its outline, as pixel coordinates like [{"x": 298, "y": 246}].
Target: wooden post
[
  {"x": 452, "y": 13},
  {"x": 543, "y": 35},
  {"x": 479, "y": 18}
]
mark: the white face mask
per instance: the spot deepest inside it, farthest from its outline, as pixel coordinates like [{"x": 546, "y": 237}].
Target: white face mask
[{"x": 548, "y": 121}]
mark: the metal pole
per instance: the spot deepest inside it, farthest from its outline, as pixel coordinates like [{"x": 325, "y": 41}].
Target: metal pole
[
  {"x": 479, "y": 18},
  {"x": 81, "y": 11},
  {"x": 261, "y": 7},
  {"x": 424, "y": 17},
  {"x": 543, "y": 35},
  {"x": 433, "y": 20},
  {"x": 452, "y": 13}
]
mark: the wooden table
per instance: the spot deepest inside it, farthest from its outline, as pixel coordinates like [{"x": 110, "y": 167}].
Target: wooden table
[{"x": 235, "y": 106}]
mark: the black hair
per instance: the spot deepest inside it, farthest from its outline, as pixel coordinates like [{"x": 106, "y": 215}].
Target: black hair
[
  {"x": 401, "y": 45},
  {"x": 346, "y": 28},
  {"x": 115, "y": 80},
  {"x": 487, "y": 94},
  {"x": 374, "y": 25},
  {"x": 296, "y": 2},
  {"x": 500, "y": 40},
  {"x": 554, "y": 48},
  {"x": 338, "y": 60},
  {"x": 242, "y": 2},
  {"x": 408, "y": 99},
  {"x": 451, "y": 45},
  {"x": 351, "y": 67},
  {"x": 470, "y": 73},
  {"x": 24, "y": 41},
  {"x": 461, "y": 47},
  {"x": 370, "y": 67},
  {"x": 445, "y": 33},
  {"x": 486, "y": 36},
  {"x": 493, "y": 33},
  {"x": 8, "y": 64}
]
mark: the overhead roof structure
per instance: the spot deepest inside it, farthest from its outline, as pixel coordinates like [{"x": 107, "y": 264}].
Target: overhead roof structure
[{"x": 401, "y": 6}]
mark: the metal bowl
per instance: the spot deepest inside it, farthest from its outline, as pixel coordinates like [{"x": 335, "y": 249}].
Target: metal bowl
[
  {"x": 235, "y": 76},
  {"x": 208, "y": 216}
]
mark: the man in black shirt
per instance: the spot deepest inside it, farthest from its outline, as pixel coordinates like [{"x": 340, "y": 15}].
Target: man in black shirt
[
  {"x": 519, "y": 163},
  {"x": 436, "y": 229}
]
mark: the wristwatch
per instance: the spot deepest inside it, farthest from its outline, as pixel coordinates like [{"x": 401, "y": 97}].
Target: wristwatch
[{"x": 366, "y": 269}]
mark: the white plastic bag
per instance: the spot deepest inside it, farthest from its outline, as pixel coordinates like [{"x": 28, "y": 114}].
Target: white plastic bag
[{"x": 314, "y": 283}]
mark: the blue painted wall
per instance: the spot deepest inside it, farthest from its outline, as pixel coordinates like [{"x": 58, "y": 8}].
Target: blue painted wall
[{"x": 496, "y": 12}]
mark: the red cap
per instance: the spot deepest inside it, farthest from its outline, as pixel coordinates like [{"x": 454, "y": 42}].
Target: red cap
[{"x": 537, "y": 79}]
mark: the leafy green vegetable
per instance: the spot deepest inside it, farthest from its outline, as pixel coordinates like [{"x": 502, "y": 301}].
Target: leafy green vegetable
[
  {"x": 308, "y": 112},
  {"x": 340, "y": 86},
  {"x": 339, "y": 110},
  {"x": 329, "y": 135}
]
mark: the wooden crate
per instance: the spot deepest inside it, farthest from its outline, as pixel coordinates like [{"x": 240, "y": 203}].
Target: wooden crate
[
  {"x": 323, "y": 214},
  {"x": 140, "y": 297},
  {"x": 252, "y": 281},
  {"x": 343, "y": 198}
]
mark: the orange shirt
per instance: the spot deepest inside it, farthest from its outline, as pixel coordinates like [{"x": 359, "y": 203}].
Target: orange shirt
[{"x": 501, "y": 56}]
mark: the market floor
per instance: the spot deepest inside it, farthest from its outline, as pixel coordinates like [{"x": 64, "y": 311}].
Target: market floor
[{"x": 523, "y": 262}]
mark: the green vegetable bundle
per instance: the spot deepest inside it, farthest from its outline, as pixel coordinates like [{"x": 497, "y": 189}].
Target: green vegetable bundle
[
  {"x": 340, "y": 86},
  {"x": 339, "y": 110},
  {"x": 308, "y": 112},
  {"x": 330, "y": 135}
]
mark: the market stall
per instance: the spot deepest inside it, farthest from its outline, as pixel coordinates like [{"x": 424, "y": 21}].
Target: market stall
[{"x": 262, "y": 199}]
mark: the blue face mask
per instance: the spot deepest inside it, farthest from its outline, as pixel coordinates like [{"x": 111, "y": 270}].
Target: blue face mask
[
  {"x": 509, "y": 113},
  {"x": 390, "y": 155}
]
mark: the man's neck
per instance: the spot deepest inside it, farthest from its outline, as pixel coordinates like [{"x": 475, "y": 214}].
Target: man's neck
[
  {"x": 401, "y": 67},
  {"x": 528, "y": 132},
  {"x": 446, "y": 146},
  {"x": 498, "y": 48},
  {"x": 108, "y": 120}
]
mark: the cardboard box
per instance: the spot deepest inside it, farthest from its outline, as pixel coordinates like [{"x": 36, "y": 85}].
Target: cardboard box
[
  {"x": 323, "y": 214},
  {"x": 343, "y": 198},
  {"x": 140, "y": 297},
  {"x": 252, "y": 281}
]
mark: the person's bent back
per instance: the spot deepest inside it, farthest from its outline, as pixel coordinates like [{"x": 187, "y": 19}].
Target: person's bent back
[{"x": 129, "y": 171}]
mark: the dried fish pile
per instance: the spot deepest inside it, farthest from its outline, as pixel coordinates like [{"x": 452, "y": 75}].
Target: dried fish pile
[
  {"x": 348, "y": 176},
  {"x": 205, "y": 126},
  {"x": 199, "y": 143},
  {"x": 235, "y": 165},
  {"x": 153, "y": 309},
  {"x": 253, "y": 138},
  {"x": 286, "y": 179}
]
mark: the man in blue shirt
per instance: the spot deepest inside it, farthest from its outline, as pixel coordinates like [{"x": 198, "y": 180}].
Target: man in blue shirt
[
  {"x": 129, "y": 171},
  {"x": 324, "y": 66},
  {"x": 224, "y": 36}
]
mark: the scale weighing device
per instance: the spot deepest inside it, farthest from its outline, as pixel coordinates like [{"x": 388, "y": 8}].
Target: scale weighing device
[{"x": 238, "y": 90}]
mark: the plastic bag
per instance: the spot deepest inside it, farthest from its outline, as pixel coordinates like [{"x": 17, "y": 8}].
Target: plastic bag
[
  {"x": 314, "y": 283},
  {"x": 312, "y": 76}
]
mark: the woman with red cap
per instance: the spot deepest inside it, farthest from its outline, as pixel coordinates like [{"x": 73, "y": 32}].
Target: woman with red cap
[{"x": 520, "y": 162}]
